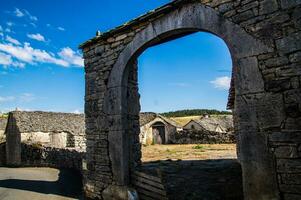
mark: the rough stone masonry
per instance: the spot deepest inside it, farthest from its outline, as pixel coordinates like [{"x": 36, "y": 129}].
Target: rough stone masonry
[{"x": 264, "y": 38}]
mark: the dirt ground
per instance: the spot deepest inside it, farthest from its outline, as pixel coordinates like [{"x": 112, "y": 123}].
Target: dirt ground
[
  {"x": 188, "y": 152},
  {"x": 195, "y": 172}
]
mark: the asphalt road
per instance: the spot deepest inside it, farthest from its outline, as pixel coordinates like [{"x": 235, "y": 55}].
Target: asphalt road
[{"x": 39, "y": 184}]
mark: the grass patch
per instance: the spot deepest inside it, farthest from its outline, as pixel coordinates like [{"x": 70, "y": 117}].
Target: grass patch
[{"x": 200, "y": 147}]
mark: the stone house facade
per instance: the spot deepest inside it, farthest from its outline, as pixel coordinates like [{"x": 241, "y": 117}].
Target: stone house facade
[
  {"x": 48, "y": 129},
  {"x": 156, "y": 129}
]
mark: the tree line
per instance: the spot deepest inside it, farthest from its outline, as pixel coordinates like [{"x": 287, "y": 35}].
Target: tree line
[{"x": 191, "y": 112}]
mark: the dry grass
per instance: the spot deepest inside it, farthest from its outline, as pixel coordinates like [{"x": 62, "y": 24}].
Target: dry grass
[
  {"x": 184, "y": 120},
  {"x": 188, "y": 152}
]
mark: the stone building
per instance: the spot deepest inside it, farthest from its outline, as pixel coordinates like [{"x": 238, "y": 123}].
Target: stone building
[
  {"x": 263, "y": 37},
  {"x": 220, "y": 124},
  {"x": 156, "y": 129},
  {"x": 49, "y": 129}
]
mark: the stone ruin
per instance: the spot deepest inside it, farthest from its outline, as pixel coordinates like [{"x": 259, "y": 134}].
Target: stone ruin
[{"x": 264, "y": 38}]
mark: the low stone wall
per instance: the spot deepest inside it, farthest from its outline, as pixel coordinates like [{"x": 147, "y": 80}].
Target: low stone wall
[
  {"x": 202, "y": 137},
  {"x": 38, "y": 156}
]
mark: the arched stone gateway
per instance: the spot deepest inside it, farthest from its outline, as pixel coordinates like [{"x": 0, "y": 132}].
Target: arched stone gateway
[{"x": 264, "y": 40}]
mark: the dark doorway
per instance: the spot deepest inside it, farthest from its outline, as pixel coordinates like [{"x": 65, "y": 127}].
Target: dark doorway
[{"x": 158, "y": 129}]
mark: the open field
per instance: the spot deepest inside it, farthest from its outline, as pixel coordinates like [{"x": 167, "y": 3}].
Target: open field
[{"x": 188, "y": 152}]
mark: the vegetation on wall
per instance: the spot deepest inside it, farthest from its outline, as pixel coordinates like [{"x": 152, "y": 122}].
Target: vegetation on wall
[{"x": 193, "y": 112}]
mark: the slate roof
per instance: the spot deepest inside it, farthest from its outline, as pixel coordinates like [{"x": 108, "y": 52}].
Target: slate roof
[
  {"x": 211, "y": 123},
  {"x": 39, "y": 121},
  {"x": 146, "y": 117}
]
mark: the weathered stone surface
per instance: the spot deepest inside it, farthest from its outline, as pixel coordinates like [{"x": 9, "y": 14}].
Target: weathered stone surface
[
  {"x": 291, "y": 179},
  {"x": 289, "y": 3},
  {"x": 289, "y": 43},
  {"x": 292, "y": 196},
  {"x": 248, "y": 78},
  {"x": 268, "y": 6}
]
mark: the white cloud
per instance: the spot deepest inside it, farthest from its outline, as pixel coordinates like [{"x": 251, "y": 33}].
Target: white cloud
[
  {"x": 6, "y": 99},
  {"x": 1, "y": 29},
  {"x": 61, "y": 28},
  {"x": 37, "y": 37},
  {"x": 5, "y": 59},
  {"x": 222, "y": 82},
  {"x": 48, "y": 25},
  {"x": 8, "y": 30},
  {"x": 33, "y": 24},
  {"x": 27, "y": 97},
  {"x": 77, "y": 111},
  {"x": 30, "y": 55},
  {"x": 12, "y": 40},
  {"x": 18, "y": 64},
  {"x": 31, "y": 17},
  {"x": 72, "y": 57},
  {"x": 9, "y": 23},
  {"x": 18, "y": 12}
]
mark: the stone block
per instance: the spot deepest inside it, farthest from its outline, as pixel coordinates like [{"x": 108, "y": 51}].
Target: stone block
[
  {"x": 295, "y": 57},
  {"x": 288, "y": 196},
  {"x": 268, "y": 6},
  {"x": 248, "y": 6},
  {"x": 285, "y": 4},
  {"x": 286, "y": 152},
  {"x": 243, "y": 16},
  {"x": 257, "y": 166},
  {"x": 248, "y": 78},
  {"x": 289, "y": 166},
  {"x": 289, "y": 43},
  {"x": 291, "y": 179},
  {"x": 296, "y": 189},
  {"x": 278, "y": 61}
]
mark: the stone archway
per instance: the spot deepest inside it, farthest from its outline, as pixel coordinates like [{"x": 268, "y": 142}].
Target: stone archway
[{"x": 112, "y": 99}]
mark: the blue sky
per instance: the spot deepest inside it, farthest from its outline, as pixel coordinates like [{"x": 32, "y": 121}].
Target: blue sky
[{"x": 41, "y": 67}]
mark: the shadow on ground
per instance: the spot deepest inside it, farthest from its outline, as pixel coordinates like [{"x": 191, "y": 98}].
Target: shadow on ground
[
  {"x": 219, "y": 179},
  {"x": 69, "y": 184}
]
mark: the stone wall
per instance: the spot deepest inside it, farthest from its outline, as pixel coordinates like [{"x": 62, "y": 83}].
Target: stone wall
[
  {"x": 264, "y": 40},
  {"x": 38, "y": 156},
  {"x": 202, "y": 137}
]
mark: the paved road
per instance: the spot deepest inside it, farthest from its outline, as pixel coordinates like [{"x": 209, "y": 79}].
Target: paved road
[{"x": 39, "y": 184}]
